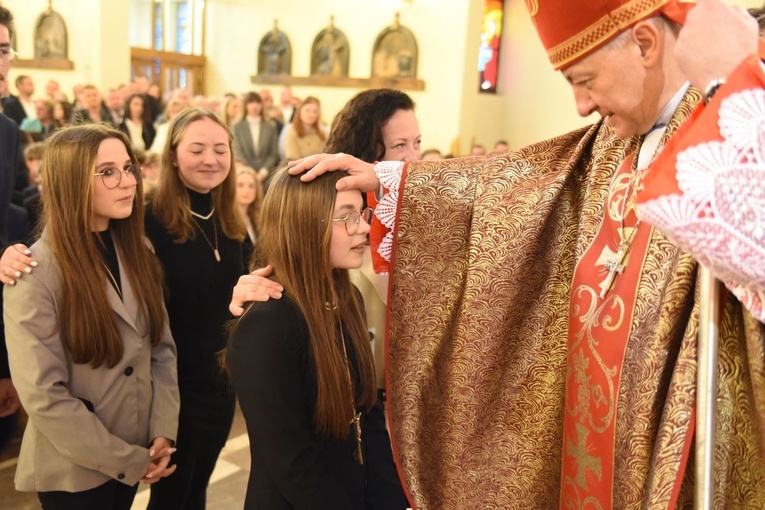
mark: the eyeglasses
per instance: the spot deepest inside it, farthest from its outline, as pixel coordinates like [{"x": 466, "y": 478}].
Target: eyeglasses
[
  {"x": 352, "y": 219},
  {"x": 8, "y": 54},
  {"x": 112, "y": 177}
]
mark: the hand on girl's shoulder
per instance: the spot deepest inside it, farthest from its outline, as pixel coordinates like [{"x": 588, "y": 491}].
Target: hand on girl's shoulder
[
  {"x": 277, "y": 311},
  {"x": 268, "y": 321}
]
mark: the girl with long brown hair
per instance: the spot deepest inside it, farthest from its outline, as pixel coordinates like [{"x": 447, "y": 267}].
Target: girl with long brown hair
[
  {"x": 249, "y": 199},
  {"x": 89, "y": 345},
  {"x": 302, "y": 366},
  {"x": 197, "y": 233},
  {"x": 306, "y": 135},
  {"x": 137, "y": 123}
]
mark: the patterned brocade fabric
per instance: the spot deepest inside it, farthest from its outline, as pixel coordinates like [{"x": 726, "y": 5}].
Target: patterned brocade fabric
[
  {"x": 483, "y": 260},
  {"x": 477, "y": 350}
]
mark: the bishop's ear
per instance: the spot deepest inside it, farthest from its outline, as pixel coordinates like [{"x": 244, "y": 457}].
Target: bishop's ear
[{"x": 649, "y": 38}]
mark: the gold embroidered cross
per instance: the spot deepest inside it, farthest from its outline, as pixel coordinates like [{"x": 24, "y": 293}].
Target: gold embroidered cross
[{"x": 583, "y": 460}]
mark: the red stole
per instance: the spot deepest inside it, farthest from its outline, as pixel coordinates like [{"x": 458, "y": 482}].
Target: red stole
[{"x": 597, "y": 340}]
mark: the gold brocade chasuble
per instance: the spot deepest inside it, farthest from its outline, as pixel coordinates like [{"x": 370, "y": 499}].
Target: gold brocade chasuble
[{"x": 497, "y": 338}]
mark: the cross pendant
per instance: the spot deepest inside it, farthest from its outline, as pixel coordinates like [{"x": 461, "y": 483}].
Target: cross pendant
[
  {"x": 356, "y": 422},
  {"x": 614, "y": 266}
]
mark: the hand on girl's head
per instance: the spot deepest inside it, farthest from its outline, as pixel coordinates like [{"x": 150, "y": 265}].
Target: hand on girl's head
[{"x": 362, "y": 175}]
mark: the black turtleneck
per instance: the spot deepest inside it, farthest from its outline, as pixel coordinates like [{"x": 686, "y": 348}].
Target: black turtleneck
[
  {"x": 197, "y": 292},
  {"x": 201, "y": 204},
  {"x": 108, "y": 253}
]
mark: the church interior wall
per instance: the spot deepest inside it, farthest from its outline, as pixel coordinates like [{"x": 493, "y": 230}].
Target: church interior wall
[
  {"x": 98, "y": 42},
  {"x": 532, "y": 102},
  {"x": 436, "y": 24}
]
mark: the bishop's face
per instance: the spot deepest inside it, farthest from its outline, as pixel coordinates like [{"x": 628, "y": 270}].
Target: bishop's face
[{"x": 613, "y": 82}]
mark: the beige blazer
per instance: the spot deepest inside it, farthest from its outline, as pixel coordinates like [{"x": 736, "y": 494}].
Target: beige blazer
[
  {"x": 86, "y": 426},
  {"x": 296, "y": 147}
]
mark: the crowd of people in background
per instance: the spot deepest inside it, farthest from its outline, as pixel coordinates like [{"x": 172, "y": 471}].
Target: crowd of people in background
[
  {"x": 200, "y": 168},
  {"x": 265, "y": 133}
]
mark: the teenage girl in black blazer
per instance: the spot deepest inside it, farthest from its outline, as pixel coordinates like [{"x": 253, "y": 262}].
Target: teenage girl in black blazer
[{"x": 302, "y": 366}]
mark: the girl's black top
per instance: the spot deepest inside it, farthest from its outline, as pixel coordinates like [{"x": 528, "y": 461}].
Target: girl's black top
[{"x": 197, "y": 293}]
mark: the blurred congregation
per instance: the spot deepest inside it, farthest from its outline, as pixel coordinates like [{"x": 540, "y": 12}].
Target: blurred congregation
[
  {"x": 271, "y": 123},
  {"x": 265, "y": 132}
]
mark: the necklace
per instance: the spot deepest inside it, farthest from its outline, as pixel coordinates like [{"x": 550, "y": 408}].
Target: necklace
[
  {"x": 356, "y": 420},
  {"x": 618, "y": 263},
  {"x": 113, "y": 280},
  {"x": 201, "y": 217},
  {"x": 215, "y": 231}
]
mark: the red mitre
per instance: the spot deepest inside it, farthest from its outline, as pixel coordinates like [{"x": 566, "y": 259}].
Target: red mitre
[{"x": 572, "y": 29}]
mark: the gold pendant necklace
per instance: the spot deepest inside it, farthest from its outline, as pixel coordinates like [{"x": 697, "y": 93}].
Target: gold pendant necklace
[
  {"x": 215, "y": 231},
  {"x": 618, "y": 263},
  {"x": 356, "y": 420}
]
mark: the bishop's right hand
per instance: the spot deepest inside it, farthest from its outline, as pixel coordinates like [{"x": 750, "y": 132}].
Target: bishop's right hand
[{"x": 362, "y": 175}]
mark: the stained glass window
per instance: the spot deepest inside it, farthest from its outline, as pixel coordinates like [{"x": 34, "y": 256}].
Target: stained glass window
[{"x": 488, "y": 52}]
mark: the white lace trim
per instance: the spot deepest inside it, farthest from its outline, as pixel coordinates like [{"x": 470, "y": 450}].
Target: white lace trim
[
  {"x": 389, "y": 173},
  {"x": 720, "y": 217}
]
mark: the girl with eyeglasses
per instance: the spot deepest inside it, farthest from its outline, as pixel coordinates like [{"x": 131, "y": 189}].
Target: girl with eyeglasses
[
  {"x": 197, "y": 234},
  {"x": 88, "y": 338},
  {"x": 302, "y": 365}
]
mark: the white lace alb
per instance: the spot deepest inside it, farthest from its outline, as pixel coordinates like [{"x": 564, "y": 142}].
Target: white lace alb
[
  {"x": 389, "y": 173},
  {"x": 720, "y": 215}
]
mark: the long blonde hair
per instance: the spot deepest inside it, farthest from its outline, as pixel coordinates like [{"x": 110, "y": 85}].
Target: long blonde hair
[
  {"x": 224, "y": 113},
  {"x": 86, "y": 323},
  {"x": 296, "y": 228},
  {"x": 171, "y": 202},
  {"x": 253, "y": 210}
]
